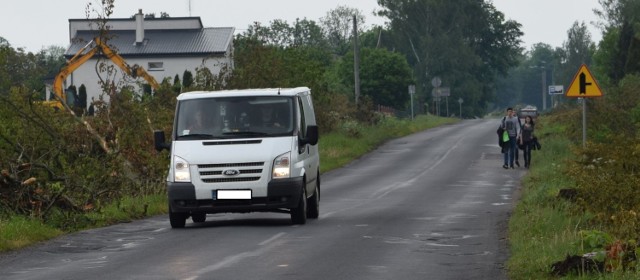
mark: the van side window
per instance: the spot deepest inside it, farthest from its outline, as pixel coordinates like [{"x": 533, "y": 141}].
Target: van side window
[{"x": 303, "y": 124}]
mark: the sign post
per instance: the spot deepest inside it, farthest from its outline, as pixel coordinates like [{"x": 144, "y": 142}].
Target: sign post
[
  {"x": 584, "y": 86},
  {"x": 412, "y": 91},
  {"x": 446, "y": 92},
  {"x": 436, "y": 82}
]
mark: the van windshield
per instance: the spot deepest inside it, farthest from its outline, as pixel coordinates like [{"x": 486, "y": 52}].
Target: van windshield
[{"x": 235, "y": 117}]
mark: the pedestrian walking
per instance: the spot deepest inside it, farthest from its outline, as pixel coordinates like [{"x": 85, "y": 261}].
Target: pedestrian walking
[
  {"x": 510, "y": 124},
  {"x": 517, "y": 152},
  {"x": 526, "y": 139}
]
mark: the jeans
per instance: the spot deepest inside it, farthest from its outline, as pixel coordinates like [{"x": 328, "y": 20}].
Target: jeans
[
  {"x": 509, "y": 156},
  {"x": 527, "y": 153}
]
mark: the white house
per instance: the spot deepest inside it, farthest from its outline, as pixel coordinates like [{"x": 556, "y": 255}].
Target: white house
[{"x": 162, "y": 46}]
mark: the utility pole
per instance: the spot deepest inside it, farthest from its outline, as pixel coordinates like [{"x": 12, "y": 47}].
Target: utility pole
[
  {"x": 412, "y": 91},
  {"x": 356, "y": 59},
  {"x": 544, "y": 89}
]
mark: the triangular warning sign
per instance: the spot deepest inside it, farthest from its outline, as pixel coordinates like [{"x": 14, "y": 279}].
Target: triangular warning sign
[{"x": 584, "y": 85}]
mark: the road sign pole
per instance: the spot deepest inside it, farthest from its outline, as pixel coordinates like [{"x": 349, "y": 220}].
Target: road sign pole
[
  {"x": 584, "y": 122},
  {"x": 412, "y": 107},
  {"x": 438, "y": 100},
  {"x": 412, "y": 91},
  {"x": 447, "y": 106}
]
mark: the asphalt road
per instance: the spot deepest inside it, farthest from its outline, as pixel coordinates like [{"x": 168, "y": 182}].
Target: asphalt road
[{"x": 433, "y": 205}]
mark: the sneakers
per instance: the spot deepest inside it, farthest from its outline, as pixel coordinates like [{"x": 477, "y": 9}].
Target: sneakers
[
  {"x": 505, "y": 166},
  {"x": 511, "y": 167}
]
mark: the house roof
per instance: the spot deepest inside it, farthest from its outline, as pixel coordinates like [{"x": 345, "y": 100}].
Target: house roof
[{"x": 168, "y": 42}]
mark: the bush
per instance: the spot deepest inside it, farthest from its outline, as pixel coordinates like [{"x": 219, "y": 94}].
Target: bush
[
  {"x": 54, "y": 166},
  {"x": 607, "y": 171}
]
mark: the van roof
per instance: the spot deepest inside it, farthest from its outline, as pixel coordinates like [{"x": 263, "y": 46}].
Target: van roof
[{"x": 239, "y": 92}]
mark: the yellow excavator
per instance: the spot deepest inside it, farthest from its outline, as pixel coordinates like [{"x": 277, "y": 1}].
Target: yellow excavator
[{"x": 81, "y": 57}]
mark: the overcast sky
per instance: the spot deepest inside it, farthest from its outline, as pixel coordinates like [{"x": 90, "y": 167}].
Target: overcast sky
[{"x": 36, "y": 24}]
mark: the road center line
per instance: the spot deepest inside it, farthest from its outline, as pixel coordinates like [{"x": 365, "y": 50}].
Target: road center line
[{"x": 271, "y": 239}]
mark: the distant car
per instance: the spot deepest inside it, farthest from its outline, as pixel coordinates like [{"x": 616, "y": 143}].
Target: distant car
[{"x": 524, "y": 112}]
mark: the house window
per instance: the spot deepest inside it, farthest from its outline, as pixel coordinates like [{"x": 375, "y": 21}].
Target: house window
[{"x": 156, "y": 66}]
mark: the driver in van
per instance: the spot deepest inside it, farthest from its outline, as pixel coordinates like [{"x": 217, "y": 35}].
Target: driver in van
[{"x": 197, "y": 124}]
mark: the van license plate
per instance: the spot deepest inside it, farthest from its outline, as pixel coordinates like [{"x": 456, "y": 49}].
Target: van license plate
[{"x": 233, "y": 194}]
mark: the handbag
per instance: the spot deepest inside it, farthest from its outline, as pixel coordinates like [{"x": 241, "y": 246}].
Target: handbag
[
  {"x": 505, "y": 136},
  {"x": 535, "y": 144}
]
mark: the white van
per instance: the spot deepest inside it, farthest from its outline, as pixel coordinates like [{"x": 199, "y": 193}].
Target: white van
[{"x": 243, "y": 151}]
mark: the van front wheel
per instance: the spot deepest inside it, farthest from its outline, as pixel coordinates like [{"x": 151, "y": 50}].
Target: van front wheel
[
  {"x": 313, "y": 204},
  {"x": 177, "y": 220},
  {"x": 299, "y": 214}
]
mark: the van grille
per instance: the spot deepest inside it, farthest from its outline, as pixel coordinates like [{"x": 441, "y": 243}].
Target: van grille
[
  {"x": 236, "y": 179},
  {"x": 241, "y": 172}
]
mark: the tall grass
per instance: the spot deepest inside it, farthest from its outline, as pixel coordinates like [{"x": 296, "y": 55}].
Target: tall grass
[
  {"x": 544, "y": 228},
  {"x": 17, "y": 232}
]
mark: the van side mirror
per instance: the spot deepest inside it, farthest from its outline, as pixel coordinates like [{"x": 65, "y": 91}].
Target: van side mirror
[
  {"x": 311, "y": 137},
  {"x": 159, "y": 141}
]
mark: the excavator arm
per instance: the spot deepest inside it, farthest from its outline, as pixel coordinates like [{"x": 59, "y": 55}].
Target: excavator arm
[
  {"x": 134, "y": 71},
  {"x": 80, "y": 58}
]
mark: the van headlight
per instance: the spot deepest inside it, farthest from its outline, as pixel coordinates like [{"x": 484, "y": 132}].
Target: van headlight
[
  {"x": 181, "y": 170},
  {"x": 282, "y": 166}
]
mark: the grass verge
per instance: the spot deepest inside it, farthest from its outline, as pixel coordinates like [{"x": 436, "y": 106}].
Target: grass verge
[{"x": 544, "y": 228}]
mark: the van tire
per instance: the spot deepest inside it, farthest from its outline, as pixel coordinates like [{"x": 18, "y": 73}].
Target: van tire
[
  {"x": 299, "y": 214},
  {"x": 313, "y": 205},
  {"x": 198, "y": 217},
  {"x": 177, "y": 220}
]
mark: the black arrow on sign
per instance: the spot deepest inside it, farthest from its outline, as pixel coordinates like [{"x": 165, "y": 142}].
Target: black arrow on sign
[{"x": 583, "y": 83}]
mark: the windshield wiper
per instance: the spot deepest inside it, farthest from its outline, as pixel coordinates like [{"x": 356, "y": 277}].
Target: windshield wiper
[
  {"x": 196, "y": 136},
  {"x": 245, "y": 133}
]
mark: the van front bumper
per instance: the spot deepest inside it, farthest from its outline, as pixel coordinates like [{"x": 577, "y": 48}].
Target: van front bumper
[{"x": 281, "y": 194}]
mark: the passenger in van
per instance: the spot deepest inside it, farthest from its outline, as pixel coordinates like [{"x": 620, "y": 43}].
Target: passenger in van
[{"x": 268, "y": 117}]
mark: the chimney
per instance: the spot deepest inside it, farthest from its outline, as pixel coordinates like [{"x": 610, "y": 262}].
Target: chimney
[{"x": 139, "y": 27}]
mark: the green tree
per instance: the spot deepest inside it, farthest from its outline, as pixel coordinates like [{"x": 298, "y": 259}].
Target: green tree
[
  {"x": 176, "y": 84},
  {"x": 578, "y": 49},
  {"x": 621, "y": 25},
  {"x": 338, "y": 27},
  {"x": 187, "y": 79},
  {"x": 82, "y": 97},
  {"x": 308, "y": 33},
  {"x": 384, "y": 75},
  {"x": 280, "y": 34},
  {"x": 465, "y": 43}
]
